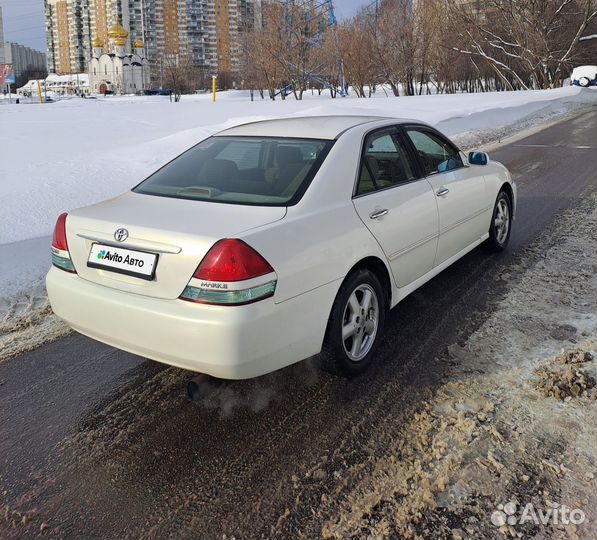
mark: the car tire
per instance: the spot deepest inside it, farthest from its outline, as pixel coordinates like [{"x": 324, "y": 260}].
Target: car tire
[
  {"x": 584, "y": 82},
  {"x": 501, "y": 223},
  {"x": 353, "y": 330}
]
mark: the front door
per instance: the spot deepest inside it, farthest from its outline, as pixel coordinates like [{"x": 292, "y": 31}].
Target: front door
[
  {"x": 396, "y": 206},
  {"x": 459, "y": 190}
]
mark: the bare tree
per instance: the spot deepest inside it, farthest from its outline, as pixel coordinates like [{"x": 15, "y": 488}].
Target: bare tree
[
  {"x": 386, "y": 46},
  {"x": 356, "y": 44},
  {"x": 327, "y": 72},
  {"x": 30, "y": 73},
  {"x": 181, "y": 75},
  {"x": 421, "y": 47},
  {"x": 528, "y": 44},
  {"x": 264, "y": 55},
  {"x": 294, "y": 49}
]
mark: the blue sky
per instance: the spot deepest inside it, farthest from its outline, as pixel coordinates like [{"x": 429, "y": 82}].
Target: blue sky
[
  {"x": 347, "y": 8},
  {"x": 24, "y": 22},
  {"x": 24, "y": 19}
]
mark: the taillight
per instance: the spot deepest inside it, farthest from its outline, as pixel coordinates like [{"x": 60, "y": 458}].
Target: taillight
[
  {"x": 232, "y": 260},
  {"x": 59, "y": 240},
  {"x": 60, "y": 254},
  {"x": 229, "y": 275}
]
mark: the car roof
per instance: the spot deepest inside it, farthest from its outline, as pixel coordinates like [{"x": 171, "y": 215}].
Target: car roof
[{"x": 307, "y": 127}]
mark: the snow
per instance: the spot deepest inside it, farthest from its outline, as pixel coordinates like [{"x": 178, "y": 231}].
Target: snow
[
  {"x": 53, "y": 80},
  {"x": 584, "y": 71},
  {"x": 77, "y": 78},
  {"x": 59, "y": 156}
]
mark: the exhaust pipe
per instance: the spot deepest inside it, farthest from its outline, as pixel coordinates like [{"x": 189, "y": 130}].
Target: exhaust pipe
[{"x": 202, "y": 386}]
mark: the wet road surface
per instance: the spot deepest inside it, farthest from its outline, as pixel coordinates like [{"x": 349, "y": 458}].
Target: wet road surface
[{"x": 98, "y": 443}]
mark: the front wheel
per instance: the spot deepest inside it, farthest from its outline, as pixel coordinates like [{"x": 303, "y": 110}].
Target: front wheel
[
  {"x": 501, "y": 223},
  {"x": 355, "y": 325}
]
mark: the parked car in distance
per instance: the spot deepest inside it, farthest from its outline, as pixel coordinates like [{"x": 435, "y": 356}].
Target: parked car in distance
[
  {"x": 274, "y": 241},
  {"x": 584, "y": 76}
]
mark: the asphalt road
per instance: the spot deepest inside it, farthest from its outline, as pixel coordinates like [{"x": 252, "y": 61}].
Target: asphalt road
[{"x": 98, "y": 443}]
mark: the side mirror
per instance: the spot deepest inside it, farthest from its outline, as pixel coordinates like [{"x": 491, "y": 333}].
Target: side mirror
[{"x": 478, "y": 158}]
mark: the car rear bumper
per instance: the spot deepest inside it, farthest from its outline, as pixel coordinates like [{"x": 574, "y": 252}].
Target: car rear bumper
[{"x": 228, "y": 342}]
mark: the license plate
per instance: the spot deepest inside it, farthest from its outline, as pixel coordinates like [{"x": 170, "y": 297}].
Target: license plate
[{"x": 123, "y": 261}]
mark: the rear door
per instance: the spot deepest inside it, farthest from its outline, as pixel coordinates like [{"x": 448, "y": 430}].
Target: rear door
[
  {"x": 459, "y": 191},
  {"x": 396, "y": 205}
]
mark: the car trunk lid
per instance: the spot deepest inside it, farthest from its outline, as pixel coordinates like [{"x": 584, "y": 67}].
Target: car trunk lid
[{"x": 178, "y": 231}]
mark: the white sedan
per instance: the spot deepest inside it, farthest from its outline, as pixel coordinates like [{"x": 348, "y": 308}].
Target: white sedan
[{"x": 274, "y": 241}]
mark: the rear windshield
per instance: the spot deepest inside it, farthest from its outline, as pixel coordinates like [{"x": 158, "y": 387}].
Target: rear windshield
[{"x": 241, "y": 170}]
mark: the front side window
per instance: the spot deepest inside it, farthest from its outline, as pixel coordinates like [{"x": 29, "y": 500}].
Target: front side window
[
  {"x": 241, "y": 170},
  {"x": 435, "y": 153},
  {"x": 385, "y": 163}
]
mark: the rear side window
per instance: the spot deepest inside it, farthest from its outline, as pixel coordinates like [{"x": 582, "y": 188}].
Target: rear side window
[
  {"x": 241, "y": 170},
  {"x": 385, "y": 163},
  {"x": 436, "y": 154}
]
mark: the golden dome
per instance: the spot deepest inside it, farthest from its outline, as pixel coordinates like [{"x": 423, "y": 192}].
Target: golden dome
[
  {"x": 97, "y": 42},
  {"x": 120, "y": 42},
  {"x": 118, "y": 31},
  {"x": 138, "y": 44}
]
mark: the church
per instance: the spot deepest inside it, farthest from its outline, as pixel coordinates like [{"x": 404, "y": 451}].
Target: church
[{"x": 119, "y": 70}]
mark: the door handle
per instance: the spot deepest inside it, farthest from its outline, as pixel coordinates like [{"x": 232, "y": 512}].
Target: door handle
[
  {"x": 378, "y": 213},
  {"x": 443, "y": 192}
]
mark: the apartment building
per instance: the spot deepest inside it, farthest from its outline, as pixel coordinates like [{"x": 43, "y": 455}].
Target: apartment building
[
  {"x": 68, "y": 35},
  {"x": 1, "y": 38},
  {"x": 23, "y": 59},
  {"x": 212, "y": 31}
]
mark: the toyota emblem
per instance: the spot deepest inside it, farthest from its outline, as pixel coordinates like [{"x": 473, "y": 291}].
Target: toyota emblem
[{"x": 121, "y": 235}]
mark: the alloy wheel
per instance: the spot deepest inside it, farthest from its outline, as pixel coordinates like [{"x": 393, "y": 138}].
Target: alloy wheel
[
  {"x": 502, "y": 221},
  {"x": 360, "y": 322}
]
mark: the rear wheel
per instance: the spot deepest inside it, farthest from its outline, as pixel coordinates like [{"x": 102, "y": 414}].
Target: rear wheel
[
  {"x": 501, "y": 223},
  {"x": 355, "y": 325}
]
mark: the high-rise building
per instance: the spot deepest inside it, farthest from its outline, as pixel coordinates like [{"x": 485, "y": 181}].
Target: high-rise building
[
  {"x": 1, "y": 38},
  {"x": 24, "y": 60},
  {"x": 233, "y": 19},
  {"x": 211, "y": 31},
  {"x": 68, "y": 35}
]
